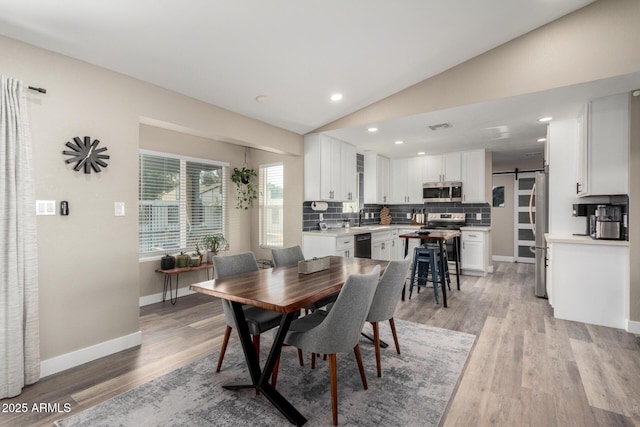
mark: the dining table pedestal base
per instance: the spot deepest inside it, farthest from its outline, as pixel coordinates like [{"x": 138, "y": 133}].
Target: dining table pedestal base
[{"x": 260, "y": 377}]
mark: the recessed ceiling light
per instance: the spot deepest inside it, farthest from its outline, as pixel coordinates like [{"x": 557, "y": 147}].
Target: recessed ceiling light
[
  {"x": 420, "y": 153},
  {"x": 261, "y": 98},
  {"x": 399, "y": 142},
  {"x": 545, "y": 119},
  {"x": 542, "y": 139},
  {"x": 336, "y": 97},
  {"x": 373, "y": 129}
]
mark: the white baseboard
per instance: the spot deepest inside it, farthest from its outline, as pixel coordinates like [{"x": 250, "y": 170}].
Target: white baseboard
[
  {"x": 501, "y": 258},
  {"x": 633, "y": 327},
  {"x": 154, "y": 298},
  {"x": 87, "y": 354}
]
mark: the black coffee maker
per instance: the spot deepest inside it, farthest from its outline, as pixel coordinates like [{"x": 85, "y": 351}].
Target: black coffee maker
[{"x": 586, "y": 210}]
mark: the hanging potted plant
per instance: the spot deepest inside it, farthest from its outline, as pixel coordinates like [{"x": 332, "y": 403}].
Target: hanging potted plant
[{"x": 245, "y": 187}]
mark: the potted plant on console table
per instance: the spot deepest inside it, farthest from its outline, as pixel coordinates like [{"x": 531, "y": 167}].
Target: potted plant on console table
[{"x": 214, "y": 243}]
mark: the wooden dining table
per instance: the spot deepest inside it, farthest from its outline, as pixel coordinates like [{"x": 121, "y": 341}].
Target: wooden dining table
[
  {"x": 439, "y": 236},
  {"x": 283, "y": 290}
]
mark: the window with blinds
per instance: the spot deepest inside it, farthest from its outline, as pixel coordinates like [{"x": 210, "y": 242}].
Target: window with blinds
[
  {"x": 271, "y": 190},
  {"x": 181, "y": 199}
]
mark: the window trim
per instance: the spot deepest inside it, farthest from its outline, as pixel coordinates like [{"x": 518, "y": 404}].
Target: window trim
[
  {"x": 225, "y": 214},
  {"x": 260, "y": 205}
]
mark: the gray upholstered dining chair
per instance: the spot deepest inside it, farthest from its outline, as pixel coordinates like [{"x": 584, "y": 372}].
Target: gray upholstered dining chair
[
  {"x": 338, "y": 331},
  {"x": 259, "y": 320},
  {"x": 290, "y": 256},
  {"x": 287, "y": 256},
  {"x": 385, "y": 301}
]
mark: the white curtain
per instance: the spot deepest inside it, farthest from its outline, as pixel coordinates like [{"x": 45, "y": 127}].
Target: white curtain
[{"x": 19, "y": 325}]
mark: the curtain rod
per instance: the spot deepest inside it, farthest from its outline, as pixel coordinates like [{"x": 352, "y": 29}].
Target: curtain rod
[{"x": 38, "y": 89}]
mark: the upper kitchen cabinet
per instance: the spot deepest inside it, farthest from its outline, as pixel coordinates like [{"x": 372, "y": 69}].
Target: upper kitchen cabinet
[
  {"x": 443, "y": 167},
  {"x": 376, "y": 179},
  {"x": 349, "y": 172},
  {"x": 329, "y": 169},
  {"x": 406, "y": 180},
  {"x": 473, "y": 176},
  {"x": 603, "y": 147}
]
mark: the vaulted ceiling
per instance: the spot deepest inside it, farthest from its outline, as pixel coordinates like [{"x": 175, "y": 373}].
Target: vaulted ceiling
[{"x": 279, "y": 61}]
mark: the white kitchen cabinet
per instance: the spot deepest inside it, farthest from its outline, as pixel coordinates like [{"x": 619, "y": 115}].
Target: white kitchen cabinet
[
  {"x": 382, "y": 245},
  {"x": 582, "y": 179},
  {"x": 589, "y": 279},
  {"x": 443, "y": 167},
  {"x": 397, "y": 245},
  {"x": 603, "y": 155},
  {"x": 376, "y": 179},
  {"x": 473, "y": 176},
  {"x": 406, "y": 180},
  {"x": 349, "y": 172},
  {"x": 325, "y": 173},
  {"x": 320, "y": 245},
  {"x": 474, "y": 252}
]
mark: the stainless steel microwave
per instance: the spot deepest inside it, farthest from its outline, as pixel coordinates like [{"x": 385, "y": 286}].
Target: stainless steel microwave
[{"x": 442, "y": 192}]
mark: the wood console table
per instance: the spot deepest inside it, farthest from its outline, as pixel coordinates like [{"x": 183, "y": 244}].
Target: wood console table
[{"x": 168, "y": 274}]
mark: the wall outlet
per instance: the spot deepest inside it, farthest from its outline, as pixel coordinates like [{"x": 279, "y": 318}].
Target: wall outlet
[
  {"x": 118, "y": 208},
  {"x": 45, "y": 207},
  {"x": 321, "y": 217},
  {"x": 366, "y": 215},
  {"x": 408, "y": 215},
  {"x": 479, "y": 216}
]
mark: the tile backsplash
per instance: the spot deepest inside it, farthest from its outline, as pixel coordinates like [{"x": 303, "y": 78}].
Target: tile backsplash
[{"x": 334, "y": 216}]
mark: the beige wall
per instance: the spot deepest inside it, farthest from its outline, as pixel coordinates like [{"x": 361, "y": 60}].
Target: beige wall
[
  {"x": 293, "y": 199},
  {"x": 596, "y": 42},
  {"x": 89, "y": 274},
  {"x": 241, "y": 238}
]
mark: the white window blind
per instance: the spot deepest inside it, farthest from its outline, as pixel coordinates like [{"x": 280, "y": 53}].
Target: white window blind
[
  {"x": 271, "y": 189},
  {"x": 181, "y": 200}
]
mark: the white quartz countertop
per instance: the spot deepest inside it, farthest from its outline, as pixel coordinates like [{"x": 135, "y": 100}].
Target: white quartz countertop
[
  {"x": 582, "y": 240},
  {"x": 476, "y": 228},
  {"x": 352, "y": 231}
]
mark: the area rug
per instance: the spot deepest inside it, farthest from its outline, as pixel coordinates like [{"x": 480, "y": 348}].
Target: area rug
[{"x": 414, "y": 389}]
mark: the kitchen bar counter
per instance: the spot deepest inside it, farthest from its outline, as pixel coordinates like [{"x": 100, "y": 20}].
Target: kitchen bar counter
[
  {"x": 582, "y": 240},
  {"x": 352, "y": 231},
  {"x": 475, "y": 228}
]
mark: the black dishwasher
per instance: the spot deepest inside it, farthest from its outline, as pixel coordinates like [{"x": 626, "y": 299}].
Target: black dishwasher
[{"x": 363, "y": 245}]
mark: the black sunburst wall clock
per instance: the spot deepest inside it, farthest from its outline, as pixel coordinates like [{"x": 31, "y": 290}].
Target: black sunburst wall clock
[{"x": 86, "y": 154}]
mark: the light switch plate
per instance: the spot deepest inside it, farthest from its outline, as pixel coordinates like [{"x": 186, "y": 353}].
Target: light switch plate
[
  {"x": 118, "y": 208},
  {"x": 45, "y": 207},
  {"x": 479, "y": 216}
]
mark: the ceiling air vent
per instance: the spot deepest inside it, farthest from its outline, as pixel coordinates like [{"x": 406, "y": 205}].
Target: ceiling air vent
[{"x": 441, "y": 126}]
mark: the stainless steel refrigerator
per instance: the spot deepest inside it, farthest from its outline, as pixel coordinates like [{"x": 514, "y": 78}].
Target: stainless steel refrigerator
[{"x": 539, "y": 218}]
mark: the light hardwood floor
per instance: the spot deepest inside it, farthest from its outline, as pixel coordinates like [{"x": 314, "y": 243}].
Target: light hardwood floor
[{"x": 526, "y": 367}]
